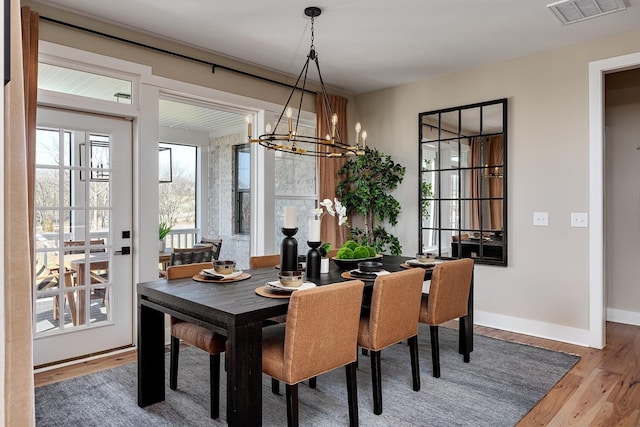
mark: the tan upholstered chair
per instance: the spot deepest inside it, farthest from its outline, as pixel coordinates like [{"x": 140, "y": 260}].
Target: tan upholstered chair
[
  {"x": 447, "y": 300},
  {"x": 320, "y": 335},
  {"x": 217, "y": 246},
  {"x": 395, "y": 306},
  {"x": 264, "y": 261},
  {"x": 196, "y": 336}
]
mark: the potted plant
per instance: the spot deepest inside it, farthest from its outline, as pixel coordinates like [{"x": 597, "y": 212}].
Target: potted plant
[
  {"x": 368, "y": 181},
  {"x": 324, "y": 253},
  {"x": 163, "y": 230}
]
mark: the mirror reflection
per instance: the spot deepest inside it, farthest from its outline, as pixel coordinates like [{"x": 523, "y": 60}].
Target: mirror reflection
[{"x": 463, "y": 182}]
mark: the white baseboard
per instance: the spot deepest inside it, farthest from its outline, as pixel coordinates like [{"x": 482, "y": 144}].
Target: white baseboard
[
  {"x": 622, "y": 316},
  {"x": 534, "y": 328}
]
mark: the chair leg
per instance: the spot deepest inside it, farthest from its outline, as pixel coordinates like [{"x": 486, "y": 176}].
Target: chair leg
[
  {"x": 292, "y": 404},
  {"x": 464, "y": 343},
  {"x": 173, "y": 363},
  {"x": 376, "y": 381},
  {"x": 435, "y": 350},
  {"x": 415, "y": 366},
  {"x": 214, "y": 381},
  {"x": 352, "y": 394},
  {"x": 275, "y": 386},
  {"x": 313, "y": 382}
]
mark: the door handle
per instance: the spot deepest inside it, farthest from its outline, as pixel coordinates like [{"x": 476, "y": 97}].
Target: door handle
[{"x": 125, "y": 250}]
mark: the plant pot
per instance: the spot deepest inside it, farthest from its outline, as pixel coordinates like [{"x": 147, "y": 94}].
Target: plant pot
[
  {"x": 162, "y": 246},
  {"x": 324, "y": 265}
]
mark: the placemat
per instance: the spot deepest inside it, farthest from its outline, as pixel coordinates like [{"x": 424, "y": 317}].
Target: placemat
[
  {"x": 199, "y": 278},
  {"x": 263, "y": 292}
]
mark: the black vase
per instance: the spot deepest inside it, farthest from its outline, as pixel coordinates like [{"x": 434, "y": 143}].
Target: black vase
[{"x": 313, "y": 260}]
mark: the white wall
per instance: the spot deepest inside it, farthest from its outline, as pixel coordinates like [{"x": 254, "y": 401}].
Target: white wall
[{"x": 545, "y": 289}]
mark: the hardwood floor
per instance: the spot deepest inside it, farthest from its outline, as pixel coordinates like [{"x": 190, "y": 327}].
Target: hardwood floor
[{"x": 603, "y": 389}]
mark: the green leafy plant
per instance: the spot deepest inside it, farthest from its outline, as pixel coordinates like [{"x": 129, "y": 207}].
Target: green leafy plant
[
  {"x": 365, "y": 190},
  {"x": 324, "y": 249},
  {"x": 163, "y": 230}
]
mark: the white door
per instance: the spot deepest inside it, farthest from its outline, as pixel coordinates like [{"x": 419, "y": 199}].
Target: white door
[{"x": 82, "y": 289}]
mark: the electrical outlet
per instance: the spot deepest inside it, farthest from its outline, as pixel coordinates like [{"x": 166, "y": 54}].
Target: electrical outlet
[
  {"x": 579, "y": 219},
  {"x": 541, "y": 219}
]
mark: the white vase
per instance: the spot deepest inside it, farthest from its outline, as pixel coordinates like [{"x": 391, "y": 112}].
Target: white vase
[
  {"x": 163, "y": 245},
  {"x": 324, "y": 265}
]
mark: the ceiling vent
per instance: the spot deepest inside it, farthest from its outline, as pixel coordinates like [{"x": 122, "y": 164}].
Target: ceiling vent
[{"x": 570, "y": 11}]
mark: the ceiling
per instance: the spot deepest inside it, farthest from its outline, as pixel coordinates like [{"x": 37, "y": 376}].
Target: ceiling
[{"x": 363, "y": 45}]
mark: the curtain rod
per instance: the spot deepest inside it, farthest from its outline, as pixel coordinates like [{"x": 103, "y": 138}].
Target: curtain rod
[{"x": 179, "y": 55}]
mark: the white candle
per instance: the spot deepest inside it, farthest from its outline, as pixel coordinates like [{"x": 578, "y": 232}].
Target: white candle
[
  {"x": 314, "y": 230},
  {"x": 289, "y": 217}
]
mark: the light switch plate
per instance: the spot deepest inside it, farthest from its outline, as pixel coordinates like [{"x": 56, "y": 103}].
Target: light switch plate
[
  {"x": 579, "y": 219},
  {"x": 541, "y": 219}
]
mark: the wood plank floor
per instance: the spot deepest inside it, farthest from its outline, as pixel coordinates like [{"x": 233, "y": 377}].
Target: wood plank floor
[{"x": 603, "y": 389}]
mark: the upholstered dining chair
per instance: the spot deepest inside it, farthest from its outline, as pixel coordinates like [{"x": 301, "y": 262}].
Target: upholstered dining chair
[
  {"x": 263, "y": 261},
  {"x": 320, "y": 335},
  {"x": 217, "y": 246},
  {"x": 192, "y": 255},
  {"x": 447, "y": 300},
  {"x": 392, "y": 318},
  {"x": 197, "y": 336}
]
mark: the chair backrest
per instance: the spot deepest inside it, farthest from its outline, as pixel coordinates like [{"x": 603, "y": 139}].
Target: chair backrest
[
  {"x": 264, "y": 261},
  {"x": 321, "y": 330},
  {"x": 449, "y": 291},
  {"x": 216, "y": 243},
  {"x": 194, "y": 255},
  {"x": 186, "y": 270},
  {"x": 395, "y": 307},
  {"x": 92, "y": 242}
]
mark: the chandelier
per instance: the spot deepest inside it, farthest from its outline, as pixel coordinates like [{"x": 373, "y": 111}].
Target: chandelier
[{"x": 290, "y": 140}]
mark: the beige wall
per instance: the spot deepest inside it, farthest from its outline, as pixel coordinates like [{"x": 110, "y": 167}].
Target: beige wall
[
  {"x": 548, "y": 149},
  {"x": 622, "y": 191}
]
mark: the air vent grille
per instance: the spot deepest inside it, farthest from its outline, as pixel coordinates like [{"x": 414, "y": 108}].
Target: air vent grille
[{"x": 570, "y": 11}]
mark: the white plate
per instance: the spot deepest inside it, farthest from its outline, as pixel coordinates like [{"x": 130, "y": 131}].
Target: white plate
[
  {"x": 211, "y": 273},
  {"x": 277, "y": 286}
]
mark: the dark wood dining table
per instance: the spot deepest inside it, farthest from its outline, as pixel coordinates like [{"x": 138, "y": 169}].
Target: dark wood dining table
[{"x": 236, "y": 311}]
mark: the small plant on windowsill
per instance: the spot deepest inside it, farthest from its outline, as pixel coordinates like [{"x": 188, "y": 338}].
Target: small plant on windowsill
[{"x": 163, "y": 230}]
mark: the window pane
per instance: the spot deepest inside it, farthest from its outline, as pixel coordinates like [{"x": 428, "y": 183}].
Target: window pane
[
  {"x": 178, "y": 197},
  {"x": 74, "y": 82}
]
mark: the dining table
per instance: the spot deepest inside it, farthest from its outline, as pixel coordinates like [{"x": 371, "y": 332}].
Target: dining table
[{"x": 235, "y": 310}]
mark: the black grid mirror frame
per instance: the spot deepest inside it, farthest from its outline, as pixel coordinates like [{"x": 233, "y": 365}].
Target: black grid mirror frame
[{"x": 462, "y": 184}]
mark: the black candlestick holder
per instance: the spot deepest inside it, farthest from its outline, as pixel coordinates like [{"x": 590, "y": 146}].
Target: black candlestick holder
[
  {"x": 313, "y": 259},
  {"x": 289, "y": 250}
]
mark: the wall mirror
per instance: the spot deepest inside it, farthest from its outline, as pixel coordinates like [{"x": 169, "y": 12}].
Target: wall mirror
[{"x": 463, "y": 182}]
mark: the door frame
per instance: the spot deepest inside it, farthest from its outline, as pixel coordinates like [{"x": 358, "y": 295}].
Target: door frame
[{"x": 597, "y": 278}]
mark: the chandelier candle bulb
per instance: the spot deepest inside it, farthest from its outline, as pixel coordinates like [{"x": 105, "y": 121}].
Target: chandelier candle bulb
[
  {"x": 314, "y": 230},
  {"x": 334, "y": 122},
  {"x": 358, "y": 128},
  {"x": 364, "y": 138},
  {"x": 249, "y": 130},
  {"x": 289, "y": 217},
  {"x": 289, "y": 120}
]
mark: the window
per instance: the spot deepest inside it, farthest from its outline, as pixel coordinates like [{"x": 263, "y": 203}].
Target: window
[
  {"x": 242, "y": 193},
  {"x": 295, "y": 185},
  {"x": 178, "y": 192},
  {"x": 82, "y": 83},
  {"x": 462, "y": 183}
]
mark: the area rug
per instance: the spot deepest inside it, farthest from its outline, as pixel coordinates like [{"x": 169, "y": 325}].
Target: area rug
[{"x": 503, "y": 381}]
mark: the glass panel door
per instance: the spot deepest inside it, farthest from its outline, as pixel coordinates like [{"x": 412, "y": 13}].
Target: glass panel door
[{"x": 80, "y": 285}]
